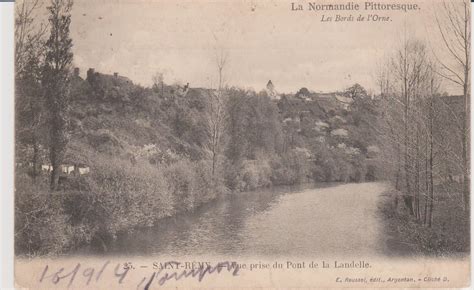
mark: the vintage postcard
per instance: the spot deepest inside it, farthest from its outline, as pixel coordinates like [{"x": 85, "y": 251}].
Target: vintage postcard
[{"x": 242, "y": 144}]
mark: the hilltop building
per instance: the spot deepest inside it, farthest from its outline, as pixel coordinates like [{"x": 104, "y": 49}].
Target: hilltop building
[
  {"x": 272, "y": 93},
  {"x": 114, "y": 79}
]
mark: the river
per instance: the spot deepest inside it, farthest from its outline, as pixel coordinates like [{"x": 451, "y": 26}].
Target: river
[{"x": 328, "y": 219}]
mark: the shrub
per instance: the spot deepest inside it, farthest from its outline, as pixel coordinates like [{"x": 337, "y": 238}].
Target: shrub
[
  {"x": 330, "y": 169},
  {"x": 360, "y": 169},
  {"x": 254, "y": 174},
  {"x": 120, "y": 197},
  {"x": 207, "y": 186},
  {"x": 232, "y": 176},
  {"x": 116, "y": 197},
  {"x": 204, "y": 183},
  {"x": 41, "y": 224},
  {"x": 182, "y": 184},
  {"x": 371, "y": 174},
  {"x": 344, "y": 170},
  {"x": 291, "y": 168},
  {"x": 104, "y": 140},
  {"x": 317, "y": 173}
]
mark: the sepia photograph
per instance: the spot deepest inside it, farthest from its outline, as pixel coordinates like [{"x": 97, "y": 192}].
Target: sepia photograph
[{"x": 242, "y": 144}]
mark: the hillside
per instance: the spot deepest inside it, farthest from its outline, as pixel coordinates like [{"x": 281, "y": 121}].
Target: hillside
[
  {"x": 332, "y": 122},
  {"x": 113, "y": 116}
]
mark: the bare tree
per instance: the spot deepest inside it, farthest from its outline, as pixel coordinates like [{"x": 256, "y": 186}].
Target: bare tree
[
  {"x": 411, "y": 112},
  {"x": 409, "y": 67},
  {"x": 216, "y": 115},
  {"x": 29, "y": 56},
  {"x": 434, "y": 85},
  {"x": 158, "y": 82},
  {"x": 389, "y": 120},
  {"x": 454, "y": 26},
  {"x": 29, "y": 33}
]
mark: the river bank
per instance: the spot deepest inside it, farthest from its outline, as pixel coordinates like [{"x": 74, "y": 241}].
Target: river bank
[{"x": 448, "y": 235}]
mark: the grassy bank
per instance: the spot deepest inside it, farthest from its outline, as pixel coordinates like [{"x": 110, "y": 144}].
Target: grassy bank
[{"x": 447, "y": 236}]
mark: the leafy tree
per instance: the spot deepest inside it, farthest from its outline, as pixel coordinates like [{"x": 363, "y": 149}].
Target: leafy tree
[
  {"x": 56, "y": 82},
  {"x": 254, "y": 126},
  {"x": 355, "y": 92},
  {"x": 303, "y": 92}
]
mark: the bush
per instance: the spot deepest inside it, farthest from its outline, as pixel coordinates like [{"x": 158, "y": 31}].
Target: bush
[
  {"x": 41, "y": 224},
  {"x": 292, "y": 168},
  {"x": 117, "y": 197},
  {"x": 207, "y": 186},
  {"x": 317, "y": 173},
  {"x": 232, "y": 176},
  {"x": 360, "y": 169},
  {"x": 182, "y": 184},
  {"x": 104, "y": 140},
  {"x": 372, "y": 173},
  {"x": 345, "y": 169},
  {"x": 254, "y": 174},
  {"x": 330, "y": 169},
  {"x": 192, "y": 184}
]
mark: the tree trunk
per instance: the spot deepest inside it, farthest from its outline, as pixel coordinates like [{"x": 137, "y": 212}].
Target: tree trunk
[
  {"x": 408, "y": 195},
  {"x": 427, "y": 183},
  {"x": 467, "y": 103},
  {"x": 417, "y": 180},
  {"x": 397, "y": 178},
  {"x": 55, "y": 172},
  {"x": 213, "y": 163},
  {"x": 465, "y": 147},
  {"x": 59, "y": 140},
  {"x": 431, "y": 191},
  {"x": 35, "y": 158},
  {"x": 399, "y": 169}
]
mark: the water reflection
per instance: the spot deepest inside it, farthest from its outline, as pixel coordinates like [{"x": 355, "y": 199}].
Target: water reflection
[
  {"x": 283, "y": 221},
  {"x": 215, "y": 227}
]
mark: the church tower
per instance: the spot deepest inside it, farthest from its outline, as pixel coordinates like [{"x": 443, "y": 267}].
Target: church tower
[
  {"x": 271, "y": 90},
  {"x": 270, "y": 86}
]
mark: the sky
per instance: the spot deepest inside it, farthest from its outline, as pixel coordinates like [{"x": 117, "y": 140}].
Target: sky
[{"x": 263, "y": 40}]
